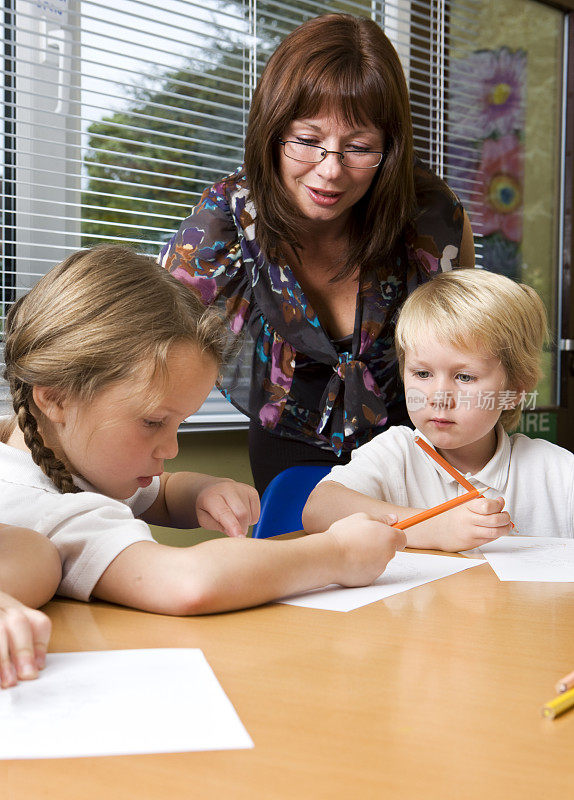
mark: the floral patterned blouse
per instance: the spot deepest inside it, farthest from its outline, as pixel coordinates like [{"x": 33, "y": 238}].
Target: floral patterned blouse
[{"x": 286, "y": 373}]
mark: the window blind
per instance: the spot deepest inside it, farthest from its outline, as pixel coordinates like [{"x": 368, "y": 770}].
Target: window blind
[{"x": 117, "y": 114}]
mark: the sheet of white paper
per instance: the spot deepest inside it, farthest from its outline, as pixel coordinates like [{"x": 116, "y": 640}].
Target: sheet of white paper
[
  {"x": 119, "y": 702},
  {"x": 531, "y": 558},
  {"x": 405, "y": 571}
]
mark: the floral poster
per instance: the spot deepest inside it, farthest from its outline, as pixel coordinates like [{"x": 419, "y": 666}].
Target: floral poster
[{"x": 486, "y": 152}]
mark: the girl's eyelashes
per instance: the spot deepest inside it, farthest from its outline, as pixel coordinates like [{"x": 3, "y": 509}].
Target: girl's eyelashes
[
  {"x": 421, "y": 373},
  {"x": 464, "y": 377},
  {"x": 152, "y": 423}
]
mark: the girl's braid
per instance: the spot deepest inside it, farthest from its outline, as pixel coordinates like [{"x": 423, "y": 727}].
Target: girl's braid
[{"x": 43, "y": 456}]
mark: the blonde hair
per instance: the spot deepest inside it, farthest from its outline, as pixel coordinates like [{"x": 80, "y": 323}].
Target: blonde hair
[
  {"x": 103, "y": 315},
  {"x": 474, "y": 308}
]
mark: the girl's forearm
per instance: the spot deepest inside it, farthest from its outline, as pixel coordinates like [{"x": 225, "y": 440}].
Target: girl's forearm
[
  {"x": 225, "y": 574},
  {"x": 238, "y": 573},
  {"x": 217, "y": 575},
  {"x": 331, "y": 501}
]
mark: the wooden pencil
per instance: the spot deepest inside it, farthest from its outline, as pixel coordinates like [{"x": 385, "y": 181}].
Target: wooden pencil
[{"x": 433, "y": 512}]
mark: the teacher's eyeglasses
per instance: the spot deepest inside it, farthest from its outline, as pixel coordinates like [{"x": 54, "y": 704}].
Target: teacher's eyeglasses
[{"x": 313, "y": 154}]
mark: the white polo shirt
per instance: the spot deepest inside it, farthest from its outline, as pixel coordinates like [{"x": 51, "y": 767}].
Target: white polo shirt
[
  {"x": 535, "y": 477},
  {"x": 88, "y": 528}
]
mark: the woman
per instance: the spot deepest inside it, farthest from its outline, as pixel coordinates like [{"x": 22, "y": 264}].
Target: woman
[{"x": 315, "y": 243}]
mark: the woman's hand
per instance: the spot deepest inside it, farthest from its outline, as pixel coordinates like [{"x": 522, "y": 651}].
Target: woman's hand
[
  {"x": 366, "y": 545},
  {"x": 228, "y": 506},
  {"x": 24, "y": 637}
]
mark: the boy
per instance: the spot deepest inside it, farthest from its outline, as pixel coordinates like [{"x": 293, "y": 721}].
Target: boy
[{"x": 468, "y": 345}]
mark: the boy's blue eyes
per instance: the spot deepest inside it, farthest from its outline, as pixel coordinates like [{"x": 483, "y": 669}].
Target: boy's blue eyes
[{"x": 463, "y": 377}]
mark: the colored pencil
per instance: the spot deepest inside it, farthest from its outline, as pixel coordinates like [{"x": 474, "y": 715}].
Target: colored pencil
[
  {"x": 444, "y": 464},
  {"x": 558, "y": 705},
  {"x": 433, "y": 512},
  {"x": 565, "y": 683},
  {"x": 454, "y": 473}
]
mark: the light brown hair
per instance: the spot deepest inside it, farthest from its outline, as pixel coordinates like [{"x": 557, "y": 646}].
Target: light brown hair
[
  {"x": 346, "y": 67},
  {"x": 475, "y": 308},
  {"x": 103, "y": 315}
]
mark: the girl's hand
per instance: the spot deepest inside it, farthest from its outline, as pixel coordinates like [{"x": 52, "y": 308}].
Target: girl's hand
[
  {"x": 228, "y": 506},
  {"x": 366, "y": 546},
  {"x": 477, "y": 522},
  {"x": 24, "y": 637}
]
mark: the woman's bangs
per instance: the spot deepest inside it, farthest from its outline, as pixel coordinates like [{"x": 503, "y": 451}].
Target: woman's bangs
[{"x": 342, "y": 96}]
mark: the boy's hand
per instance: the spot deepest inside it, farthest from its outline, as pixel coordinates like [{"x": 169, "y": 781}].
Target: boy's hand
[
  {"x": 24, "y": 637},
  {"x": 477, "y": 522},
  {"x": 228, "y": 506},
  {"x": 366, "y": 546}
]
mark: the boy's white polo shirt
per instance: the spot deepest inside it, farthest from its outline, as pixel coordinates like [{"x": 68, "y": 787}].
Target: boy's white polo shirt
[
  {"x": 535, "y": 477},
  {"x": 88, "y": 528}
]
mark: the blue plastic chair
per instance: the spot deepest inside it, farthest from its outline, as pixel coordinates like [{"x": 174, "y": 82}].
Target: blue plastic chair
[{"x": 284, "y": 498}]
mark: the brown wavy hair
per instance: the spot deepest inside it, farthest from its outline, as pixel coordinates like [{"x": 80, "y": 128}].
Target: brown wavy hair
[
  {"x": 346, "y": 67},
  {"x": 103, "y": 315}
]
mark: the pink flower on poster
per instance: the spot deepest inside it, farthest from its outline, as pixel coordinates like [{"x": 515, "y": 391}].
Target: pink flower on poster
[
  {"x": 488, "y": 93},
  {"x": 496, "y": 203}
]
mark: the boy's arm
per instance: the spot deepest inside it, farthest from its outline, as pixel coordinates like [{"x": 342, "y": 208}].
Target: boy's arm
[
  {"x": 191, "y": 500},
  {"x": 224, "y": 574},
  {"x": 477, "y": 522}
]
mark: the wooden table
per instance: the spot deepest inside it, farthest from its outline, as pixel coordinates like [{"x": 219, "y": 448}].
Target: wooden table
[{"x": 433, "y": 693}]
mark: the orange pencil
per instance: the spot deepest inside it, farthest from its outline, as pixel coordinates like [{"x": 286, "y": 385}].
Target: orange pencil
[
  {"x": 444, "y": 464},
  {"x": 451, "y": 471},
  {"x": 433, "y": 512}
]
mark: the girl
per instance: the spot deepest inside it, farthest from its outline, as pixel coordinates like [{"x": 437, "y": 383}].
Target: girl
[{"x": 105, "y": 357}]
